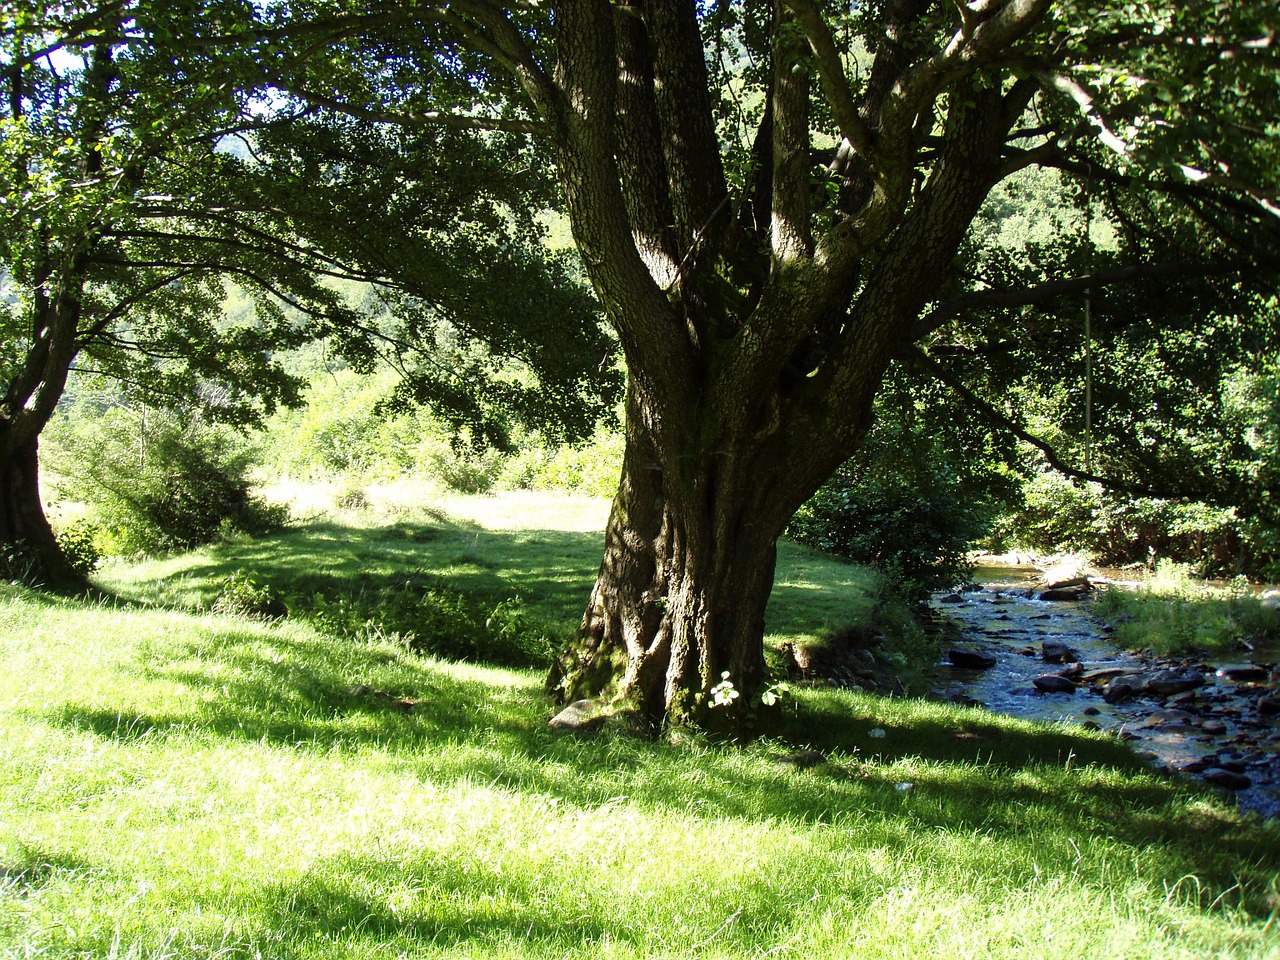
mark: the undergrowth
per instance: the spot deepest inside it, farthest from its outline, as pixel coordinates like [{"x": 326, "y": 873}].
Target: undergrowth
[{"x": 1174, "y": 613}]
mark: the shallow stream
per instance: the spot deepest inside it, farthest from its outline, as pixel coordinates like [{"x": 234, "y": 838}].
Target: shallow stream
[{"x": 1221, "y": 729}]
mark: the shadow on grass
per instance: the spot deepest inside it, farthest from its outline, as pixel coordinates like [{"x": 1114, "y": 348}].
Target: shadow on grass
[{"x": 972, "y": 773}]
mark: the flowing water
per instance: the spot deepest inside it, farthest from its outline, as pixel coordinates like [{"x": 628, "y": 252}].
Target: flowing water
[{"x": 1219, "y": 729}]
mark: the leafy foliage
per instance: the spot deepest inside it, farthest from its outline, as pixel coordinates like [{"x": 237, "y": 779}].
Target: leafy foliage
[
  {"x": 433, "y": 618},
  {"x": 159, "y": 480}
]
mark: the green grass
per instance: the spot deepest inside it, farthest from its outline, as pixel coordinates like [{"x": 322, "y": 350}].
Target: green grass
[
  {"x": 175, "y": 783},
  {"x": 1172, "y": 613}
]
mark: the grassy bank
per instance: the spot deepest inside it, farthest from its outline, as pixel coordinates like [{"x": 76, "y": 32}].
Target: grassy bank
[
  {"x": 178, "y": 783},
  {"x": 1172, "y": 613}
]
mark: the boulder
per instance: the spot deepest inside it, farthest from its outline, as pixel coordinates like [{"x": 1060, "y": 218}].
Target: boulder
[
  {"x": 579, "y": 716},
  {"x": 971, "y": 659},
  {"x": 1165, "y": 683},
  {"x": 1078, "y": 592},
  {"x": 1052, "y": 683},
  {"x": 1242, "y": 672},
  {"x": 1056, "y": 652},
  {"x": 1064, "y": 576},
  {"x": 1226, "y": 778},
  {"x": 1124, "y": 687}
]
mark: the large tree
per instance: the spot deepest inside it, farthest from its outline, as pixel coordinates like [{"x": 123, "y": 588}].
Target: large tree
[{"x": 772, "y": 201}]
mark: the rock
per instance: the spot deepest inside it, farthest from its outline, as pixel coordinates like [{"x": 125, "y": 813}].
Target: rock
[
  {"x": 1064, "y": 593},
  {"x": 1055, "y": 652},
  {"x": 1164, "y": 683},
  {"x": 1051, "y": 683},
  {"x": 1269, "y": 707},
  {"x": 1242, "y": 672},
  {"x": 1109, "y": 673},
  {"x": 1226, "y": 778},
  {"x": 1091, "y": 711},
  {"x": 1213, "y": 727},
  {"x": 581, "y": 715},
  {"x": 1165, "y": 719},
  {"x": 971, "y": 659},
  {"x": 952, "y": 598},
  {"x": 1147, "y": 756},
  {"x": 1073, "y": 672},
  {"x": 1124, "y": 687},
  {"x": 1064, "y": 576}
]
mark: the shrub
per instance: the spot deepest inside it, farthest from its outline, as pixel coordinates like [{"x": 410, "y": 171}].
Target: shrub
[
  {"x": 242, "y": 595},
  {"x": 159, "y": 480},
  {"x": 1059, "y": 514},
  {"x": 591, "y": 468},
  {"x": 431, "y": 617},
  {"x": 79, "y": 543},
  {"x": 915, "y": 530}
]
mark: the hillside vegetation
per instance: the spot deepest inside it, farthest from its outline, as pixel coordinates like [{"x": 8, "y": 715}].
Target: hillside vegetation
[{"x": 179, "y": 782}]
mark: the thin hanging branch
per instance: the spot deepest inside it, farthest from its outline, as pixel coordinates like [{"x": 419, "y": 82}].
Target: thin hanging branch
[{"x": 1052, "y": 457}]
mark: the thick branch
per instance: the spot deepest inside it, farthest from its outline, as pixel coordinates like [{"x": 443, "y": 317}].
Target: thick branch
[
  {"x": 1000, "y": 299},
  {"x": 1051, "y": 456},
  {"x": 791, "y": 236},
  {"x": 835, "y": 84}
]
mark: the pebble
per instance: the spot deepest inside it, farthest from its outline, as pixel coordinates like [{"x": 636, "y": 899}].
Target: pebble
[{"x": 1213, "y": 727}]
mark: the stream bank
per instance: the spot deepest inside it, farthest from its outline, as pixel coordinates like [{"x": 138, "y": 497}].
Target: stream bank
[{"x": 1215, "y": 719}]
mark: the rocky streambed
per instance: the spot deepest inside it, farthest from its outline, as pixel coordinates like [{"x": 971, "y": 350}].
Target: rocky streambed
[{"x": 1051, "y": 659}]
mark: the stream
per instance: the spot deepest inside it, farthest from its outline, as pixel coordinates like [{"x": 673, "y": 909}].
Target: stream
[{"x": 1217, "y": 719}]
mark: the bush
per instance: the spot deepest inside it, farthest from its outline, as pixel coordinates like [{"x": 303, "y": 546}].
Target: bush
[
  {"x": 79, "y": 543},
  {"x": 591, "y": 468},
  {"x": 431, "y": 617},
  {"x": 907, "y": 519},
  {"x": 158, "y": 480},
  {"x": 1060, "y": 515},
  {"x": 242, "y": 595}
]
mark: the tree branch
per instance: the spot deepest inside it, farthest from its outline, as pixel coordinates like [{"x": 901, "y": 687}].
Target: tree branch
[
  {"x": 835, "y": 85},
  {"x": 1052, "y": 457},
  {"x": 996, "y": 299},
  {"x": 406, "y": 118}
]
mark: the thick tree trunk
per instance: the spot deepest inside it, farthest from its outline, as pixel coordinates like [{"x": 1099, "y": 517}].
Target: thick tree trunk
[
  {"x": 29, "y": 550},
  {"x": 688, "y": 567}
]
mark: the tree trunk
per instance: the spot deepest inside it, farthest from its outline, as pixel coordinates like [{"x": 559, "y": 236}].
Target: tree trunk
[
  {"x": 29, "y": 550},
  {"x": 690, "y": 550}
]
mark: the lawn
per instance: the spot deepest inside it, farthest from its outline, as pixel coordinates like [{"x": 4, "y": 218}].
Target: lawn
[{"x": 180, "y": 783}]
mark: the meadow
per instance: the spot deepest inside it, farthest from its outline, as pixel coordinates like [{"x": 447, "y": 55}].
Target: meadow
[{"x": 184, "y": 777}]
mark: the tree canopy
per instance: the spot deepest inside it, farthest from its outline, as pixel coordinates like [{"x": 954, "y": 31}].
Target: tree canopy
[{"x": 142, "y": 172}]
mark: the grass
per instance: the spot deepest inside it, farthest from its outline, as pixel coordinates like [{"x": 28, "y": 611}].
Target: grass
[
  {"x": 1172, "y": 613},
  {"x": 175, "y": 783}
]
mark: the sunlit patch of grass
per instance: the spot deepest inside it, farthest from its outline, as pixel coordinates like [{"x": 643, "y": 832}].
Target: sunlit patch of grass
[
  {"x": 1173, "y": 613},
  {"x": 180, "y": 784}
]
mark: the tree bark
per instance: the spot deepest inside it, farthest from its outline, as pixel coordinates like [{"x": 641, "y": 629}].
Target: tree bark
[
  {"x": 689, "y": 559},
  {"x": 30, "y": 549},
  {"x": 745, "y": 391}
]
